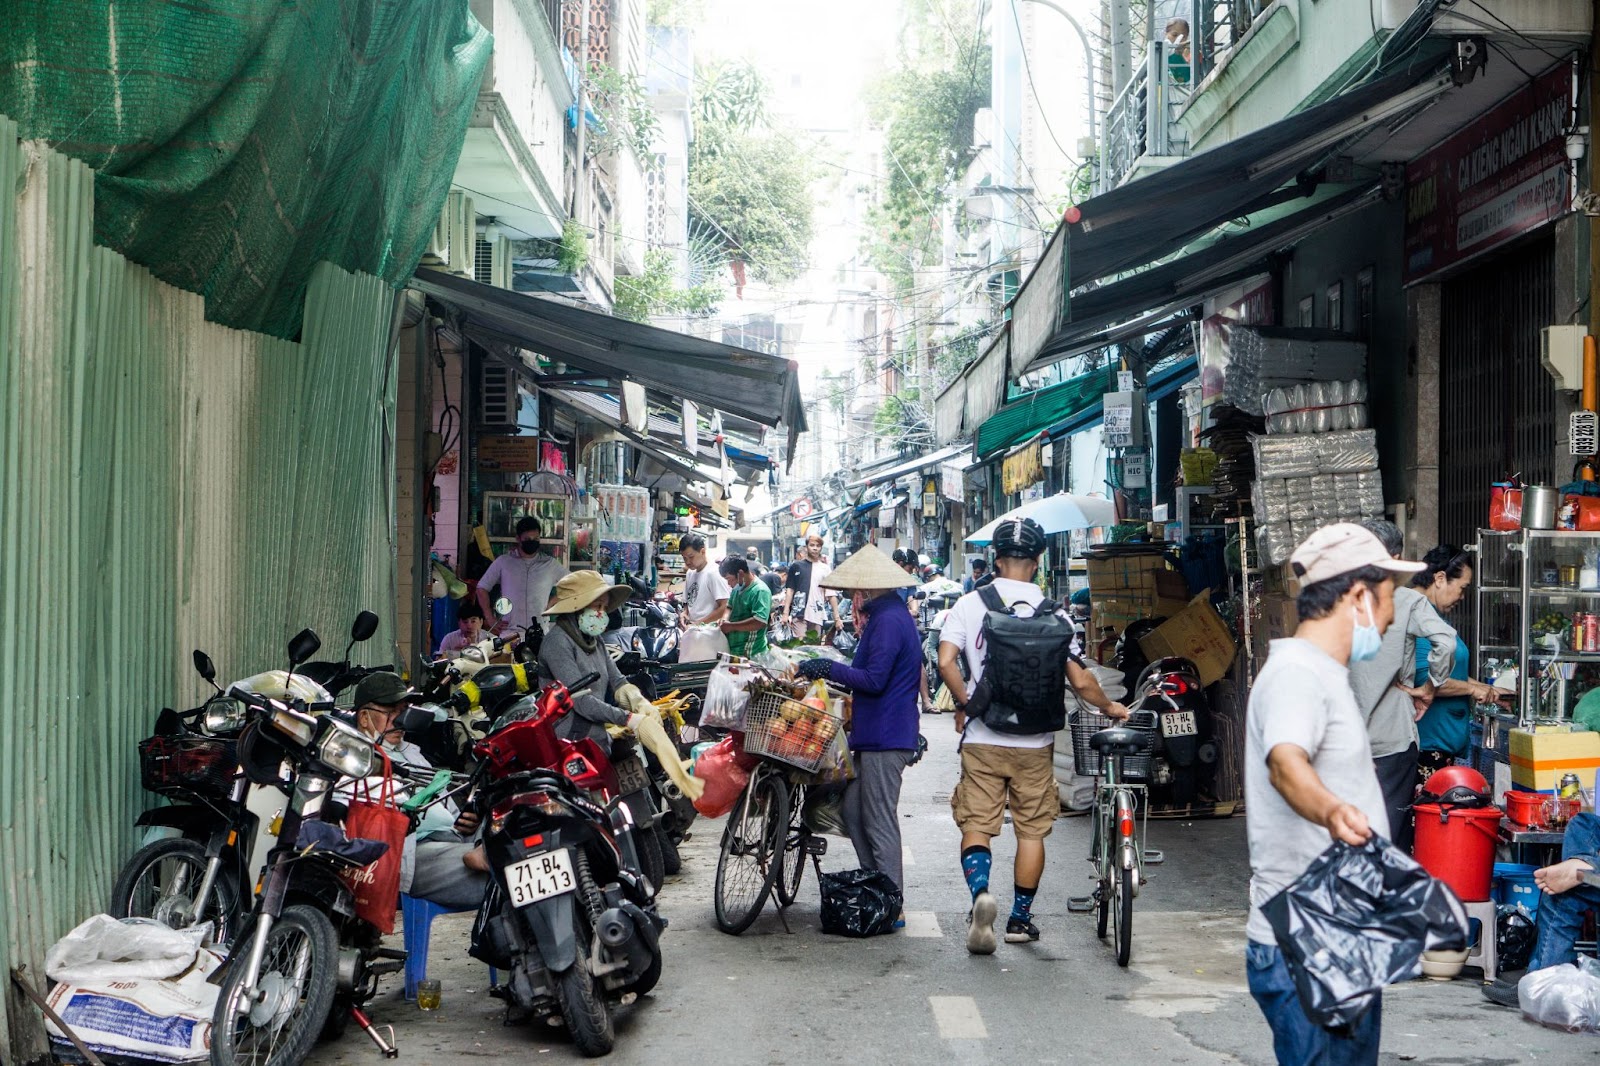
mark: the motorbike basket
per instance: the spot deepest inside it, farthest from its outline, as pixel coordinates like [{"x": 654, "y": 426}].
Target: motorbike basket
[
  {"x": 1087, "y": 762},
  {"x": 188, "y": 764},
  {"x": 791, "y": 732}
]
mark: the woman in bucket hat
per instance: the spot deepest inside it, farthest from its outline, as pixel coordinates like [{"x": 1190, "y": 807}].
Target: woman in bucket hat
[
  {"x": 578, "y": 613},
  {"x": 885, "y": 677}
]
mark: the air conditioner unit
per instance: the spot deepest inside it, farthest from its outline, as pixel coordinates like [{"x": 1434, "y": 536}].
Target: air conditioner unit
[
  {"x": 462, "y": 224},
  {"x": 497, "y": 398},
  {"x": 482, "y": 261},
  {"x": 500, "y": 263}
]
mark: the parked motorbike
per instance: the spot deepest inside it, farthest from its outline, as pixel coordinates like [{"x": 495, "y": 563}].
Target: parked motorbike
[
  {"x": 568, "y": 913},
  {"x": 644, "y": 625},
  {"x": 1184, "y": 767},
  {"x": 339, "y": 676},
  {"x": 304, "y": 963}
]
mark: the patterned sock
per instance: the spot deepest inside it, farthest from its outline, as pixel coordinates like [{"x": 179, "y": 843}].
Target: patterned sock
[
  {"x": 1022, "y": 909},
  {"x": 975, "y": 862}
]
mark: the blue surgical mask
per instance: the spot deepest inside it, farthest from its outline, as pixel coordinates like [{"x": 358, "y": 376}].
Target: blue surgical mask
[{"x": 1365, "y": 641}]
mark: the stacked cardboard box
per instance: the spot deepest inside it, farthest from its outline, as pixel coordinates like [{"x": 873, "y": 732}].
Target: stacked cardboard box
[
  {"x": 1196, "y": 633},
  {"x": 1126, "y": 588}
]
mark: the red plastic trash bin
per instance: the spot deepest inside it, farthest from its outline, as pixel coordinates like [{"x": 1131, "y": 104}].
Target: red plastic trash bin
[{"x": 1456, "y": 845}]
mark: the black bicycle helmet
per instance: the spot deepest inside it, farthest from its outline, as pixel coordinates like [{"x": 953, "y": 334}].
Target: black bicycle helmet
[
  {"x": 904, "y": 557},
  {"x": 1018, "y": 538}
]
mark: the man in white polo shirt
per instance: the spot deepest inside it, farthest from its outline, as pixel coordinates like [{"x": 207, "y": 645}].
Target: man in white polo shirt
[{"x": 1309, "y": 778}]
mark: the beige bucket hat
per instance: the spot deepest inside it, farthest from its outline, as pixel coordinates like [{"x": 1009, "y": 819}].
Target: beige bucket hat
[
  {"x": 869, "y": 570},
  {"x": 578, "y": 590}
]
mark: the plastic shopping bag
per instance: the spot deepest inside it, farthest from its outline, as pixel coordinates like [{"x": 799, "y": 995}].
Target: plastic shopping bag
[
  {"x": 726, "y": 696},
  {"x": 1563, "y": 997},
  {"x": 123, "y": 948},
  {"x": 377, "y": 885},
  {"x": 700, "y": 644},
  {"x": 859, "y": 903},
  {"x": 1505, "y": 506},
  {"x": 725, "y": 769},
  {"x": 1360, "y": 918}
]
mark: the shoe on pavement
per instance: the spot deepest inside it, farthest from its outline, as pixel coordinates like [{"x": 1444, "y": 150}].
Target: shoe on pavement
[
  {"x": 980, "y": 925},
  {"x": 1502, "y": 992},
  {"x": 1021, "y": 931}
]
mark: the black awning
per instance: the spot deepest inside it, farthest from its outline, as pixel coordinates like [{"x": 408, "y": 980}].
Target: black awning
[
  {"x": 1186, "y": 281},
  {"x": 762, "y": 388}
]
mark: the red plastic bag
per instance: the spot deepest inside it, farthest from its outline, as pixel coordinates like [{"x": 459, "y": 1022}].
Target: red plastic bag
[
  {"x": 1587, "y": 512},
  {"x": 377, "y": 885},
  {"x": 1505, "y": 507},
  {"x": 725, "y": 769}
]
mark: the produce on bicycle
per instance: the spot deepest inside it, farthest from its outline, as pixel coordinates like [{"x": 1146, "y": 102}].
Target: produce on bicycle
[
  {"x": 1309, "y": 778},
  {"x": 1008, "y": 724},
  {"x": 572, "y": 650},
  {"x": 885, "y": 677}
]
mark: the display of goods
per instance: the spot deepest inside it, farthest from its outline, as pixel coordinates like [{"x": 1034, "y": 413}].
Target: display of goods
[
  {"x": 1350, "y": 451},
  {"x": 1316, "y": 407},
  {"x": 1262, "y": 359}
]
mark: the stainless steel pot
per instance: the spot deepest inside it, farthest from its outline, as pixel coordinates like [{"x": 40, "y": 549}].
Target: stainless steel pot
[{"x": 1539, "y": 503}]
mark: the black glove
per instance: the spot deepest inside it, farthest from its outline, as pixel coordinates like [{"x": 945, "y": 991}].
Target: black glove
[{"x": 812, "y": 669}]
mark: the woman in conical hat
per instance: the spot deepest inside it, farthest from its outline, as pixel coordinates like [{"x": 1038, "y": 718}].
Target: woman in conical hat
[{"x": 885, "y": 677}]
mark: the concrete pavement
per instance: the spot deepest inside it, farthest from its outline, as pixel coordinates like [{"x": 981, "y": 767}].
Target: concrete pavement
[{"x": 771, "y": 997}]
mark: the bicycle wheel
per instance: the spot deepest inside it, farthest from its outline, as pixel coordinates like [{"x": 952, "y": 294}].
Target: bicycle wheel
[
  {"x": 298, "y": 980},
  {"x": 752, "y": 853},
  {"x": 795, "y": 852},
  {"x": 1123, "y": 911}
]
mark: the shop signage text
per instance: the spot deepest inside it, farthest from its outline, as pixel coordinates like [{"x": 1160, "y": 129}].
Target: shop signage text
[
  {"x": 508, "y": 453},
  {"x": 1500, "y": 177}
]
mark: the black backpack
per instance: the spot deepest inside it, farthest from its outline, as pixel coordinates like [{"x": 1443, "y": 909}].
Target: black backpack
[{"x": 1024, "y": 684}]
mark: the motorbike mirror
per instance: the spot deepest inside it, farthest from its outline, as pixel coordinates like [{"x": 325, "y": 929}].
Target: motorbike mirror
[
  {"x": 303, "y": 646},
  {"x": 414, "y": 719},
  {"x": 365, "y": 625},
  {"x": 205, "y": 667},
  {"x": 502, "y": 606}
]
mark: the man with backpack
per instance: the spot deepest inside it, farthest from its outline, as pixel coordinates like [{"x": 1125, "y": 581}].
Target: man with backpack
[{"x": 1021, "y": 656}]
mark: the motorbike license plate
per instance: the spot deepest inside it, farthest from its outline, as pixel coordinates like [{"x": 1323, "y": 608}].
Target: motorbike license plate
[
  {"x": 1178, "y": 724},
  {"x": 540, "y": 877}
]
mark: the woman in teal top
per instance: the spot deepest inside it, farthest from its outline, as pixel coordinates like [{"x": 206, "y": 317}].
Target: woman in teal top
[{"x": 1444, "y": 732}]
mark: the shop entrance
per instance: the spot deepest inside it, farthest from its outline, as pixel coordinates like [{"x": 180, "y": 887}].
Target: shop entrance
[{"x": 1496, "y": 402}]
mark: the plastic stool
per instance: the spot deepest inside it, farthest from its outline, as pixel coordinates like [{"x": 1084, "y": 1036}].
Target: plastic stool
[
  {"x": 417, "y": 915},
  {"x": 1483, "y": 952}
]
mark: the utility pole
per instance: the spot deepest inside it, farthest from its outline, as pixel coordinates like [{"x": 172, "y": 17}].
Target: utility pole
[
  {"x": 578, "y": 197},
  {"x": 1121, "y": 47}
]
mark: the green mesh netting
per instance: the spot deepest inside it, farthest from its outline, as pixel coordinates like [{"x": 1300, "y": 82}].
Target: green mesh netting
[{"x": 238, "y": 142}]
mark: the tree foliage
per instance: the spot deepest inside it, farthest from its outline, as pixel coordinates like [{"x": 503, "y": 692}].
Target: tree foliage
[
  {"x": 654, "y": 292},
  {"x": 623, "y": 107}
]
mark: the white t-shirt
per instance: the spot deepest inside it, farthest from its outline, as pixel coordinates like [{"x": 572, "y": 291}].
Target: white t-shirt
[
  {"x": 524, "y": 580},
  {"x": 1301, "y": 697},
  {"x": 703, "y": 588},
  {"x": 963, "y": 627}
]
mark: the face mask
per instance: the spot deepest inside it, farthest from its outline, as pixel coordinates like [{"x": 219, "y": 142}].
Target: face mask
[
  {"x": 1365, "y": 640},
  {"x": 592, "y": 623},
  {"x": 529, "y": 547}
]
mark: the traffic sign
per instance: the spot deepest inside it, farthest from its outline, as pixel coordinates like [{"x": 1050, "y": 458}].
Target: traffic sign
[{"x": 801, "y": 508}]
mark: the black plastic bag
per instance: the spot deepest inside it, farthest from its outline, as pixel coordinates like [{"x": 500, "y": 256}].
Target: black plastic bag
[
  {"x": 1358, "y": 919},
  {"x": 859, "y": 903}
]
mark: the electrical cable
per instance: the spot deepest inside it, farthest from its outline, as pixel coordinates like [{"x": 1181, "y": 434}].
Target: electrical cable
[{"x": 1027, "y": 68}]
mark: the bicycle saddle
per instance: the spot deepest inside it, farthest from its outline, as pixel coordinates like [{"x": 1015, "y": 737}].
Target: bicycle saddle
[{"x": 1118, "y": 740}]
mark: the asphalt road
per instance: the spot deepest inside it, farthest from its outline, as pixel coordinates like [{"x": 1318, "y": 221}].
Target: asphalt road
[{"x": 775, "y": 996}]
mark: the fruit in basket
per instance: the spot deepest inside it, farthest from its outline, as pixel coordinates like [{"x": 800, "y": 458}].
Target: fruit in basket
[
  {"x": 1551, "y": 621},
  {"x": 826, "y": 728},
  {"x": 792, "y": 712}
]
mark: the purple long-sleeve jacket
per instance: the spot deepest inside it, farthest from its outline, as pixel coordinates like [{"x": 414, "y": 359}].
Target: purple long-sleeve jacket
[{"x": 886, "y": 679}]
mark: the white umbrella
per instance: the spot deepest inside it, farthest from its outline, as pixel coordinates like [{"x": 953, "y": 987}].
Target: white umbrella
[{"x": 1056, "y": 514}]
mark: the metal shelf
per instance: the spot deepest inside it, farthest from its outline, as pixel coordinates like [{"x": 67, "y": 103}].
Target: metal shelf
[{"x": 1558, "y": 590}]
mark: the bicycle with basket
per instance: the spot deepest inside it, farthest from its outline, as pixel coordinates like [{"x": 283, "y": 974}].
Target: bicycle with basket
[
  {"x": 1119, "y": 756},
  {"x": 766, "y": 843}
]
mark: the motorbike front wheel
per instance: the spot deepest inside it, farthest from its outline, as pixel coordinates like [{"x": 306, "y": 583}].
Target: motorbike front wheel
[
  {"x": 161, "y": 881},
  {"x": 296, "y": 986}
]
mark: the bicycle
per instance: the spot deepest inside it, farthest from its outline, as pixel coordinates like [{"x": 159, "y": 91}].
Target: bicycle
[{"x": 1120, "y": 755}]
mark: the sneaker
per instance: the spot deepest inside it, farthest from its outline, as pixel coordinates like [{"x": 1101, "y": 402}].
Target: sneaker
[
  {"x": 1503, "y": 993},
  {"x": 1021, "y": 931},
  {"x": 980, "y": 925}
]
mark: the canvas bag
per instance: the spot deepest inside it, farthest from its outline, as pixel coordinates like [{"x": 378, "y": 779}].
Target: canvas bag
[
  {"x": 1024, "y": 684},
  {"x": 377, "y": 885}
]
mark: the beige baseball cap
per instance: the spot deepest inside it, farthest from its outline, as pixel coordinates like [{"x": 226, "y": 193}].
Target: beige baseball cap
[{"x": 1340, "y": 548}]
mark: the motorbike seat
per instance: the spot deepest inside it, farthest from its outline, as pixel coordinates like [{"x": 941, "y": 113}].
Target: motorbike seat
[{"x": 1118, "y": 740}]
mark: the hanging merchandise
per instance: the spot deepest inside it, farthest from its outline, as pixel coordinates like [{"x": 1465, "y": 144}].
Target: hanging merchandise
[{"x": 1022, "y": 468}]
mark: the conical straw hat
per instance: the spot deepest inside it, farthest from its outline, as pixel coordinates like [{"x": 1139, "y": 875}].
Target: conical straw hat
[{"x": 870, "y": 571}]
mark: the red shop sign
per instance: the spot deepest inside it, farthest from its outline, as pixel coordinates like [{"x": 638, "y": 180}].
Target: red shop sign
[{"x": 1504, "y": 175}]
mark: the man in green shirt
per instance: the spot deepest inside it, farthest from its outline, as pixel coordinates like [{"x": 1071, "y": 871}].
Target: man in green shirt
[{"x": 749, "y": 609}]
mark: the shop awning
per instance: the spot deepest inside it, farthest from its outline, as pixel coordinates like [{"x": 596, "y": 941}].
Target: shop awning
[
  {"x": 763, "y": 388},
  {"x": 1146, "y": 220},
  {"x": 1161, "y": 384},
  {"x": 908, "y": 466},
  {"x": 664, "y": 433},
  {"x": 1038, "y": 411},
  {"x": 671, "y": 459},
  {"x": 1137, "y": 304}
]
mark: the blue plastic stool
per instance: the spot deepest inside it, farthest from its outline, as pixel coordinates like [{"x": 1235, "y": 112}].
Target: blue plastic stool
[{"x": 417, "y": 915}]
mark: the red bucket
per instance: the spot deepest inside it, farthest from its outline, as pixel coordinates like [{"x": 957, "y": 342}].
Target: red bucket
[{"x": 1456, "y": 845}]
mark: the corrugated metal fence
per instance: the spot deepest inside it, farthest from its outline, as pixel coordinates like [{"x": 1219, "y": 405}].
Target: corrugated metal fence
[{"x": 165, "y": 483}]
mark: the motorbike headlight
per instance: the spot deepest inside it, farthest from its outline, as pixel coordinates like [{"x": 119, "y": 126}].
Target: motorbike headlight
[
  {"x": 224, "y": 716},
  {"x": 345, "y": 749}
]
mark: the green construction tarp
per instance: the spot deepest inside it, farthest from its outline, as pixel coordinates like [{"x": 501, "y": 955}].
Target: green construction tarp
[
  {"x": 1038, "y": 411},
  {"x": 238, "y": 142}
]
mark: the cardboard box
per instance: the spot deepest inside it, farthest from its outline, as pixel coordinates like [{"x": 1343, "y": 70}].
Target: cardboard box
[
  {"x": 1279, "y": 618},
  {"x": 1539, "y": 759},
  {"x": 1117, "y": 614},
  {"x": 1127, "y": 571},
  {"x": 1196, "y": 633}
]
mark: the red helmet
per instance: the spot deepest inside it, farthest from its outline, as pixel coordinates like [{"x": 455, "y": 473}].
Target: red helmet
[{"x": 1459, "y": 785}]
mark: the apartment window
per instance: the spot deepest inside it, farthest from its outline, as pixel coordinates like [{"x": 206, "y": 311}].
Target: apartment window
[
  {"x": 1308, "y": 312},
  {"x": 1364, "y": 285},
  {"x": 1336, "y": 305}
]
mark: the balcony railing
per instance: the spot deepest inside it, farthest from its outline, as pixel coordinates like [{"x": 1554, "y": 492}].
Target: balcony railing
[{"x": 1142, "y": 121}]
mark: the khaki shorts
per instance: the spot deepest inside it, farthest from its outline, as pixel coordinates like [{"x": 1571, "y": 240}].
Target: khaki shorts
[{"x": 993, "y": 778}]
